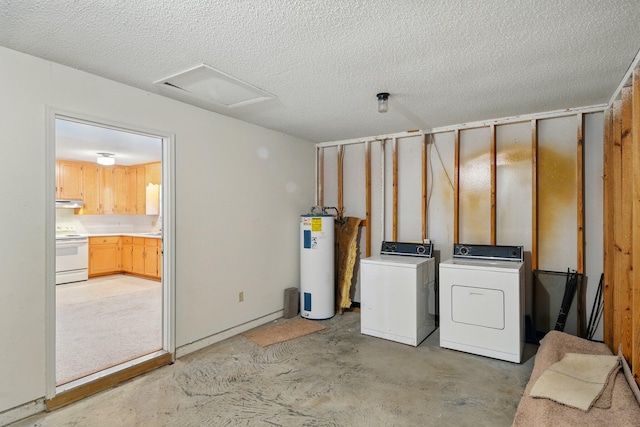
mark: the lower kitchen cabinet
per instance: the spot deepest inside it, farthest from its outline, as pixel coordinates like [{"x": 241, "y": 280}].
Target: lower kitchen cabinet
[
  {"x": 144, "y": 257},
  {"x": 104, "y": 255},
  {"x": 140, "y": 256}
]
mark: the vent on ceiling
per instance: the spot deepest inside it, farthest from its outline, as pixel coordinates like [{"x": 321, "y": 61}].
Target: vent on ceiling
[{"x": 213, "y": 85}]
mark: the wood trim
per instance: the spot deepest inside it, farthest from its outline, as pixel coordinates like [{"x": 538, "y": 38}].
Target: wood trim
[
  {"x": 492, "y": 129},
  {"x": 320, "y": 177},
  {"x": 456, "y": 188},
  {"x": 534, "y": 194},
  {"x": 340, "y": 180},
  {"x": 635, "y": 279},
  {"x": 425, "y": 173},
  {"x": 608, "y": 234},
  {"x": 581, "y": 301},
  {"x": 367, "y": 174},
  {"x": 107, "y": 382},
  {"x": 395, "y": 189}
]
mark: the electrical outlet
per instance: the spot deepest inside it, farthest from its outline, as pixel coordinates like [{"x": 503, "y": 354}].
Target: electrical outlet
[{"x": 240, "y": 296}]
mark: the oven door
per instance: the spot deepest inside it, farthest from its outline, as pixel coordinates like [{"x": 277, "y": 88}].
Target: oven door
[{"x": 72, "y": 260}]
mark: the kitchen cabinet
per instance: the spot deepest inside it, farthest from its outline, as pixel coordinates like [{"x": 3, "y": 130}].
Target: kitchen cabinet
[
  {"x": 91, "y": 205},
  {"x": 144, "y": 255},
  {"x": 104, "y": 255},
  {"x": 127, "y": 254},
  {"x": 154, "y": 173},
  {"x": 136, "y": 190},
  {"x": 120, "y": 189},
  {"x": 69, "y": 180},
  {"x": 110, "y": 190}
]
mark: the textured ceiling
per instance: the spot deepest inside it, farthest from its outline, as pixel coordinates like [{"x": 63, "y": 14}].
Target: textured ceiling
[{"x": 443, "y": 62}]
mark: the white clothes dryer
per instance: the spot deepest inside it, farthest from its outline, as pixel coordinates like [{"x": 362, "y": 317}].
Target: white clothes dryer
[{"x": 482, "y": 301}]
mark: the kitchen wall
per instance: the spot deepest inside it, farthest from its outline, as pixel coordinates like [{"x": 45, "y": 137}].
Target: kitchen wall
[
  {"x": 239, "y": 192},
  {"x": 92, "y": 224}
]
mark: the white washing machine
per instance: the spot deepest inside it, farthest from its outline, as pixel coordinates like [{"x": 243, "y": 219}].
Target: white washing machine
[
  {"x": 482, "y": 301},
  {"x": 397, "y": 295}
]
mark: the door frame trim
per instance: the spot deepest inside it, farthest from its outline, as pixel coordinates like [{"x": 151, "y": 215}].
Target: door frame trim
[{"x": 168, "y": 247}]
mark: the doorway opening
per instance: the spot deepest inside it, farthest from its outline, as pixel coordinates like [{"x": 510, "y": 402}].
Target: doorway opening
[{"x": 110, "y": 305}]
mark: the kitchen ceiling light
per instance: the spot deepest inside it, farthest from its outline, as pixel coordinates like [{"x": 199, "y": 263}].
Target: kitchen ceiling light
[
  {"x": 383, "y": 102},
  {"x": 106, "y": 159}
]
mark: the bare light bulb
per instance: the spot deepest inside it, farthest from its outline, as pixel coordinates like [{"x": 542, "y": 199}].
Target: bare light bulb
[{"x": 383, "y": 102}]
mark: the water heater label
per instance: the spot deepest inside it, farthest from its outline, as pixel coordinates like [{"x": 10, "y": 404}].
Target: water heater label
[
  {"x": 307, "y": 239},
  {"x": 306, "y": 221},
  {"x": 316, "y": 224}
]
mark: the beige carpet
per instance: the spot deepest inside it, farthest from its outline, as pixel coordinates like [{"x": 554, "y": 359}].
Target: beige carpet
[
  {"x": 577, "y": 380},
  {"x": 104, "y": 322},
  {"x": 280, "y": 332}
]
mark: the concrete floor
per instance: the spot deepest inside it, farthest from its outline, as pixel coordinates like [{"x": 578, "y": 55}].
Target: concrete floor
[{"x": 334, "y": 377}]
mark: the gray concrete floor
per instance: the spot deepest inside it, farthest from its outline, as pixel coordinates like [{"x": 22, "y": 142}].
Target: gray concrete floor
[{"x": 334, "y": 377}]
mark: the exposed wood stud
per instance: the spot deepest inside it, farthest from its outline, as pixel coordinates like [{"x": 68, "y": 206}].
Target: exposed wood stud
[
  {"x": 608, "y": 260},
  {"x": 395, "y": 189},
  {"x": 340, "y": 180},
  {"x": 320, "y": 177},
  {"x": 425, "y": 173},
  {"x": 493, "y": 184},
  {"x": 617, "y": 219},
  {"x": 581, "y": 302},
  {"x": 456, "y": 188},
  {"x": 625, "y": 290},
  {"x": 635, "y": 280},
  {"x": 367, "y": 172},
  {"x": 534, "y": 194}
]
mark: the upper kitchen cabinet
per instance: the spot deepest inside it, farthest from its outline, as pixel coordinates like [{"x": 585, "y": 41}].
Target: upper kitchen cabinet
[
  {"x": 91, "y": 199},
  {"x": 69, "y": 180},
  {"x": 154, "y": 173}
]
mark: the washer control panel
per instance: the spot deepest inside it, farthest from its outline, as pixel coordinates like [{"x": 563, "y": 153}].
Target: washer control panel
[
  {"x": 407, "y": 249},
  {"x": 488, "y": 252}
]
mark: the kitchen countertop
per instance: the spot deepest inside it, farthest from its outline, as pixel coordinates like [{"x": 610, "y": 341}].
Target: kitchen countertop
[{"x": 148, "y": 235}]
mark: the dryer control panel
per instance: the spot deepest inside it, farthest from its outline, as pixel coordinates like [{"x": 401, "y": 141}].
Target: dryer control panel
[
  {"x": 407, "y": 249},
  {"x": 488, "y": 252}
]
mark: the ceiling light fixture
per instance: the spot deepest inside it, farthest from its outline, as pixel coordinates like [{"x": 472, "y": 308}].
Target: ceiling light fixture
[
  {"x": 106, "y": 159},
  {"x": 383, "y": 102}
]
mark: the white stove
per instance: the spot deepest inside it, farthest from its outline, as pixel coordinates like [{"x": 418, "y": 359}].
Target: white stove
[{"x": 72, "y": 255}]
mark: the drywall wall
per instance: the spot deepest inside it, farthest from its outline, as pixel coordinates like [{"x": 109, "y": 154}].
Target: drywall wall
[{"x": 239, "y": 192}]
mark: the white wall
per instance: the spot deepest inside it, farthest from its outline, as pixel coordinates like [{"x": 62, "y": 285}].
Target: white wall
[{"x": 239, "y": 192}]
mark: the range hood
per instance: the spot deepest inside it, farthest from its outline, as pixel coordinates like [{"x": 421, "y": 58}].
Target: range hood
[{"x": 67, "y": 203}]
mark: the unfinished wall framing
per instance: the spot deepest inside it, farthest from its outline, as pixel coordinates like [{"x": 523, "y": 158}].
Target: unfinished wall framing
[
  {"x": 515, "y": 181},
  {"x": 622, "y": 224}
]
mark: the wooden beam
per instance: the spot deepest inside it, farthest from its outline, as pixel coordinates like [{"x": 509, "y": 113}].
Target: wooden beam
[
  {"x": 395, "y": 189},
  {"x": 456, "y": 188},
  {"x": 340, "y": 180},
  {"x": 367, "y": 175},
  {"x": 617, "y": 221},
  {"x": 581, "y": 302},
  {"x": 608, "y": 234},
  {"x": 534, "y": 194},
  {"x": 493, "y": 184},
  {"x": 624, "y": 298},
  {"x": 320, "y": 176},
  {"x": 635, "y": 280},
  {"x": 425, "y": 173}
]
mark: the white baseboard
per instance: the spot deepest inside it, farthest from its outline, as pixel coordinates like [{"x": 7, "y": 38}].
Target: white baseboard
[
  {"x": 223, "y": 335},
  {"x": 23, "y": 411}
]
